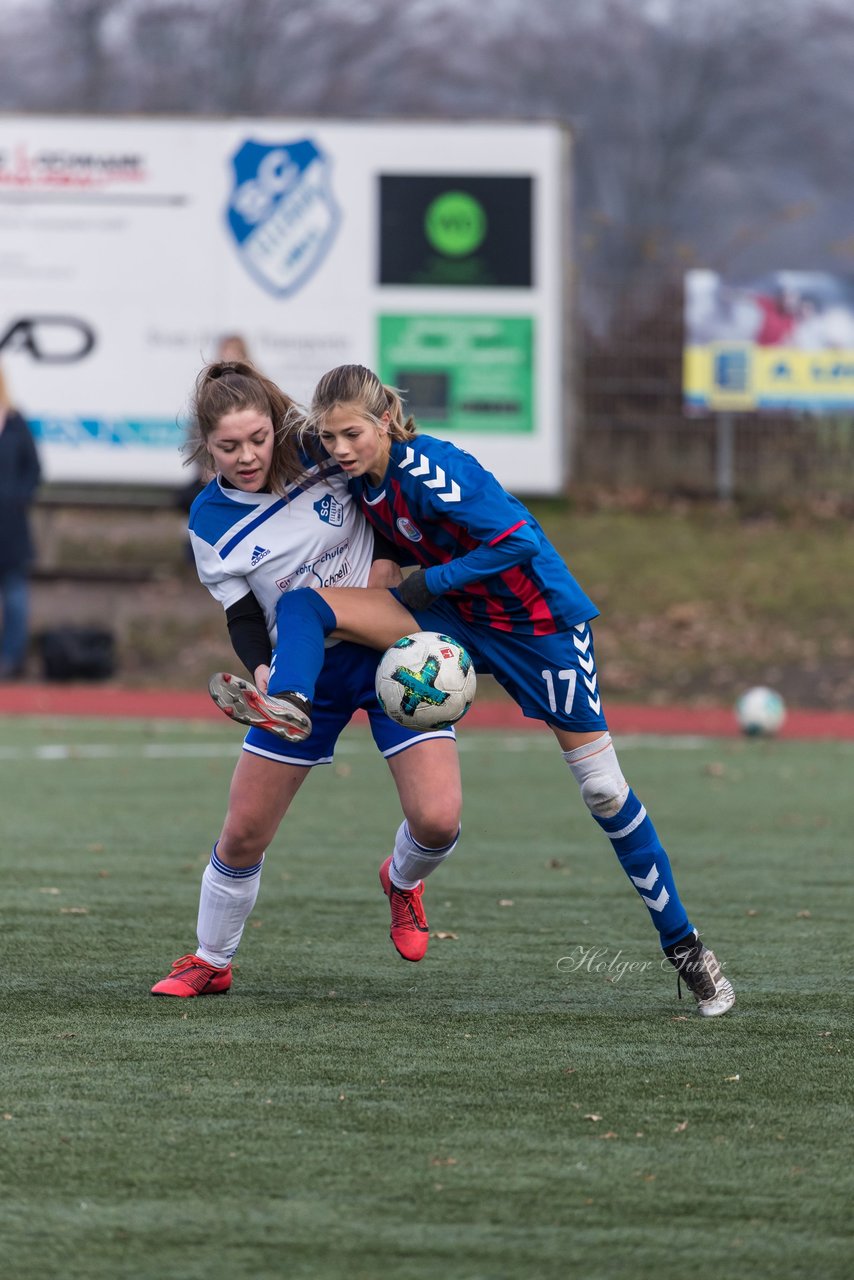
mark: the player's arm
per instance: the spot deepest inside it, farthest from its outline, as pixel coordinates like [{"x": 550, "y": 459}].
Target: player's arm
[
  {"x": 247, "y": 630},
  {"x": 247, "y": 626},
  {"x": 387, "y": 559},
  {"x": 498, "y": 525},
  {"x": 513, "y": 546}
]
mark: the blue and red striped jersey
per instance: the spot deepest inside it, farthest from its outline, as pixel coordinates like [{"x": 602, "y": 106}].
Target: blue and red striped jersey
[{"x": 482, "y": 548}]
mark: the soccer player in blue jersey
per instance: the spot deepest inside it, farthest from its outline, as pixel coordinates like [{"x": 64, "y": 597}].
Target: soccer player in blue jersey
[
  {"x": 486, "y": 575},
  {"x": 272, "y": 520}
]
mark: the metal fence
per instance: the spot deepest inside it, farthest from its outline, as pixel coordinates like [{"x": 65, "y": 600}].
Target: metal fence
[{"x": 632, "y": 432}]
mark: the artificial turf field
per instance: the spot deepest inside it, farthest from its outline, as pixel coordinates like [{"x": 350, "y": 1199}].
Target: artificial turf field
[{"x": 508, "y": 1108}]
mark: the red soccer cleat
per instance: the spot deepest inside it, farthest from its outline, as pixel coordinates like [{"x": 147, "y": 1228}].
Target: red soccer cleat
[
  {"x": 192, "y": 976},
  {"x": 410, "y": 932}
]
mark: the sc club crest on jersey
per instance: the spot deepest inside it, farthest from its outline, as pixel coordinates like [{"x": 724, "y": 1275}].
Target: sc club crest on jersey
[
  {"x": 330, "y": 511},
  {"x": 282, "y": 213},
  {"x": 408, "y": 529}
]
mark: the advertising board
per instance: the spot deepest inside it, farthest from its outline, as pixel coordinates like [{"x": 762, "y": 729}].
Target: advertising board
[
  {"x": 784, "y": 342},
  {"x": 430, "y": 252}
]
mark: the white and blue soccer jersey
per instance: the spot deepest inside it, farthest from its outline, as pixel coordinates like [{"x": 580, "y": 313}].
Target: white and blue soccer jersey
[
  {"x": 313, "y": 536},
  {"x": 484, "y": 552}
]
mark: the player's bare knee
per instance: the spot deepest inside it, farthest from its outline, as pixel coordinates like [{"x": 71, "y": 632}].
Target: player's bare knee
[
  {"x": 243, "y": 842},
  {"x": 597, "y": 771}
]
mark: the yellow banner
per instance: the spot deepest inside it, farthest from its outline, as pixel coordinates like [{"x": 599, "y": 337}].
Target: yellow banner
[
  {"x": 740, "y": 376},
  {"x": 785, "y": 341}
]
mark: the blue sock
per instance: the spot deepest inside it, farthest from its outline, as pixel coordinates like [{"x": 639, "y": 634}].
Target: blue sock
[
  {"x": 644, "y": 861},
  {"x": 303, "y": 621}
]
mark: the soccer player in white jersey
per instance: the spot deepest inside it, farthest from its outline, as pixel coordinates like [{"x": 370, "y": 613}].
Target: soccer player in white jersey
[
  {"x": 274, "y": 520},
  {"x": 488, "y": 576}
]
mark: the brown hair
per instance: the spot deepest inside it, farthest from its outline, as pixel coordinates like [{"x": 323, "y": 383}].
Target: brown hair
[
  {"x": 230, "y": 386},
  {"x": 354, "y": 384}
]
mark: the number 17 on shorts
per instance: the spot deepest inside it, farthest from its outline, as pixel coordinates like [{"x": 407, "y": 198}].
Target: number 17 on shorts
[{"x": 572, "y": 689}]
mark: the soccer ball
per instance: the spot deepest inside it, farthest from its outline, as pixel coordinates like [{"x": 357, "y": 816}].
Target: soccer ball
[
  {"x": 425, "y": 681},
  {"x": 760, "y": 711}
]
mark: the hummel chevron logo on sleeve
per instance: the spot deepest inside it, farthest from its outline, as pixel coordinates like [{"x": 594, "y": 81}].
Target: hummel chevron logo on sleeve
[
  {"x": 647, "y": 881},
  {"x": 659, "y": 903},
  {"x": 437, "y": 480},
  {"x": 582, "y": 641}
]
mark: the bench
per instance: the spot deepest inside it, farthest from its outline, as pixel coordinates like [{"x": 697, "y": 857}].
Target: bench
[{"x": 56, "y": 500}]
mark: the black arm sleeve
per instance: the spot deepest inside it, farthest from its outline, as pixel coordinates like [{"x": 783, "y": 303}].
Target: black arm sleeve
[
  {"x": 386, "y": 550},
  {"x": 247, "y": 629}
]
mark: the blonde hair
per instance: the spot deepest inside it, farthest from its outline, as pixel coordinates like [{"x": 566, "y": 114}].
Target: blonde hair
[
  {"x": 231, "y": 386},
  {"x": 353, "y": 384}
]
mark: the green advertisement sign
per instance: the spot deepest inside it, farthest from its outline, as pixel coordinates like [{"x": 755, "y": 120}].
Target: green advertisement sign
[
  {"x": 460, "y": 231},
  {"x": 455, "y": 224},
  {"x": 461, "y": 373}
]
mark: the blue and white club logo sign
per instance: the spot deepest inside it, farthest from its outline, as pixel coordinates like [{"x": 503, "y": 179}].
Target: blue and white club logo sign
[
  {"x": 330, "y": 511},
  {"x": 282, "y": 213}
]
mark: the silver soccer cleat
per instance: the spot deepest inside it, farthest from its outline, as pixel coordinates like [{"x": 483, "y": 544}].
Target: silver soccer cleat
[
  {"x": 288, "y": 715},
  {"x": 699, "y": 969}
]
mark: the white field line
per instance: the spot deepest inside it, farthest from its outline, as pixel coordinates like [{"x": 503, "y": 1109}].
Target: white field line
[{"x": 51, "y": 752}]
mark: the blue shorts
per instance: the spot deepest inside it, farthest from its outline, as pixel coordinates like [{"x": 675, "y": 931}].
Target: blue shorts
[
  {"x": 552, "y": 678},
  {"x": 345, "y": 684}
]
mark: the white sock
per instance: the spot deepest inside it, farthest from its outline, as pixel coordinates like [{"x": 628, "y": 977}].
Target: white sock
[
  {"x": 411, "y": 862},
  {"x": 225, "y": 903}
]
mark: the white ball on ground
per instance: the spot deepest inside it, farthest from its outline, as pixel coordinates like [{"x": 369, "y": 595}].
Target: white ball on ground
[{"x": 760, "y": 712}]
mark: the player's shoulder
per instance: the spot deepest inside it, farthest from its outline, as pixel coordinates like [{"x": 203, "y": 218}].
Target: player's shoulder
[
  {"x": 407, "y": 453},
  {"x": 439, "y": 468},
  {"x": 423, "y": 443},
  {"x": 203, "y": 499},
  {"x": 319, "y": 469},
  {"x": 213, "y": 512},
  {"x": 313, "y": 460}
]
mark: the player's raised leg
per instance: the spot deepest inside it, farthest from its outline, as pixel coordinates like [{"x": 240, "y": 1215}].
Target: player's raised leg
[
  {"x": 305, "y": 618},
  {"x": 288, "y": 716}
]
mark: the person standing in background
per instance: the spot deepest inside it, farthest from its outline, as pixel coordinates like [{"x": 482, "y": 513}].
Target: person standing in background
[
  {"x": 20, "y": 475},
  {"x": 232, "y": 349}
]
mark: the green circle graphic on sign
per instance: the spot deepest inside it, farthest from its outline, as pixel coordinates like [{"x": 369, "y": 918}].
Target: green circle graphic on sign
[{"x": 455, "y": 224}]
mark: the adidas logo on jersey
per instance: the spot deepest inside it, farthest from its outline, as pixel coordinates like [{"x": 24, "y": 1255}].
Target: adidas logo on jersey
[{"x": 258, "y": 555}]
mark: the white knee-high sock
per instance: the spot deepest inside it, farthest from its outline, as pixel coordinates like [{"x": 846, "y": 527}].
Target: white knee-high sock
[
  {"x": 411, "y": 862},
  {"x": 225, "y": 903}
]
